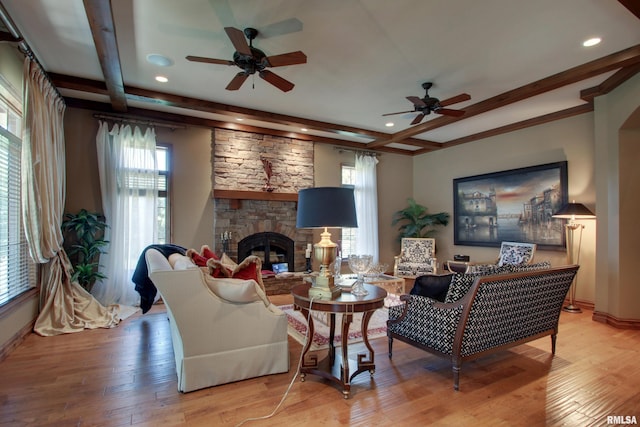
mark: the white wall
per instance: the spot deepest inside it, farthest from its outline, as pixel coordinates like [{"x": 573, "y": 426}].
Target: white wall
[
  {"x": 619, "y": 298},
  {"x": 191, "y": 202},
  {"x": 570, "y": 139}
]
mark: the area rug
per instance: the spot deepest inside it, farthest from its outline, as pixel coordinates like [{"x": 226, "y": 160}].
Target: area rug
[{"x": 298, "y": 327}]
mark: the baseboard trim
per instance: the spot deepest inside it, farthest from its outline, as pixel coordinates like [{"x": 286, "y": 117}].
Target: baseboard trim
[
  {"x": 16, "y": 340},
  {"x": 608, "y": 319},
  {"x": 582, "y": 304}
]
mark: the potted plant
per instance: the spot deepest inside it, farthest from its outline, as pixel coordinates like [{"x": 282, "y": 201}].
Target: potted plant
[
  {"x": 417, "y": 222},
  {"x": 84, "y": 242}
]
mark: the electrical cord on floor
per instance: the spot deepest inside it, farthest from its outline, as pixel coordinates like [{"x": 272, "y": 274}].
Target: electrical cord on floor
[{"x": 295, "y": 374}]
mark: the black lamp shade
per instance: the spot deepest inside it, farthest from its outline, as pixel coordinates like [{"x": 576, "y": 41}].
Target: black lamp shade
[
  {"x": 326, "y": 207},
  {"x": 574, "y": 211}
]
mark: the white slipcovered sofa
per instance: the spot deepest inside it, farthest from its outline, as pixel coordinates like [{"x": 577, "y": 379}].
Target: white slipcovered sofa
[{"x": 223, "y": 330}]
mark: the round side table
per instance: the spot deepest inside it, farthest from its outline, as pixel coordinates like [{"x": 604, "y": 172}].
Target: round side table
[{"x": 338, "y": 368}]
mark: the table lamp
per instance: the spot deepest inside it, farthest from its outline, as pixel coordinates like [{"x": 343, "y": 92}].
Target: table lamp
[
  {"x": 325, "y": 207},
  {"x": 573, "y": 211}
]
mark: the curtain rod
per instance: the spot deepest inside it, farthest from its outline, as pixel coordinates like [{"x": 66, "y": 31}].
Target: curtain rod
[
  {"x": 357, "y": 150},
  {"x": 23, "y": 45},
  {"x": 139, "y": 121}
]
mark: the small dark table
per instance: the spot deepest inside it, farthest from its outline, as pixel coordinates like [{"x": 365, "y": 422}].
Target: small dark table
[{"x": 334, "y": 368}]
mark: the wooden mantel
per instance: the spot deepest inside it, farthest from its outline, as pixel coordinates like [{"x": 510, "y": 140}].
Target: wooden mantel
[{"x": 237, "y": 196}]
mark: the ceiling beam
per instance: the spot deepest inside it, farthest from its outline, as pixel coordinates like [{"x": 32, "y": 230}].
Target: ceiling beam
[
  {"x": 149, "y": 96},
  {"x": 624, "y": 58},
  {"x": 557, "y": 115},
  {"x": 632, "y": 5},
  {"x": 619, "y": 77},
  {"x": 180, "y": 119},
  {"x": 103, "y": 30}
]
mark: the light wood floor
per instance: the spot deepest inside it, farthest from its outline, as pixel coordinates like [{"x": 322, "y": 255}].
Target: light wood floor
[{"x": 126, "y": 376}]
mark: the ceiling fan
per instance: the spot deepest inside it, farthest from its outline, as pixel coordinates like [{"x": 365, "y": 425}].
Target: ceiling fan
[
  {"x": 428, "y": 104},
  {"x": 252, "y": 60}
]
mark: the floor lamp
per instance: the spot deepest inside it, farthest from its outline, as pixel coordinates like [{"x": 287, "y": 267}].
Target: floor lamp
[{"x": 573, "y": 211}]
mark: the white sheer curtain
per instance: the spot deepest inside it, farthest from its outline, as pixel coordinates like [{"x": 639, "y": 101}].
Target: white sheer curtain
[
  {"x": 128, "y": 182},
  {"x": 366, "y": 196},
  {"x": 64, "y": 305}
]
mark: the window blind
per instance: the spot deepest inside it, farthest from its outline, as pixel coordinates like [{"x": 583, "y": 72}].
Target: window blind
[{"x": 17, "y": 270}]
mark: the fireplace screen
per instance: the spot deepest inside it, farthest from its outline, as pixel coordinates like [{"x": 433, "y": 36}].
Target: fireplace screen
[{"x": 271, "y": 248}]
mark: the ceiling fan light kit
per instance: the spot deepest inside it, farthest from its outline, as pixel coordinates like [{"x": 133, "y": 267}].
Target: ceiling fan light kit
[
  {"x": 428, "y": 105},
  {"x": 252, "y": 60}
]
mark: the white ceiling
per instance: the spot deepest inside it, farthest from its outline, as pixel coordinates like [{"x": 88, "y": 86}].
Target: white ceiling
[{"x": 364, "y": 56}]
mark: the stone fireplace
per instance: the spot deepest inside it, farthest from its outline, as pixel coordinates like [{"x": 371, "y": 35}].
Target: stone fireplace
[
  {"x": 261, "y": 226},
  {"x": 272, "y": 248},
  {"x": 260, "y": 222}
]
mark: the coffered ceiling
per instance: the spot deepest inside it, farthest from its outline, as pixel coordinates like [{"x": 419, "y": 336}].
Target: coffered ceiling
[{"x": 522, "y": 62}]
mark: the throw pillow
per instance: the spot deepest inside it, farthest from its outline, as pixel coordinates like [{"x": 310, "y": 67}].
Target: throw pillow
[
  {"x": 544, "y": 265},
  {"x": 228, "y": 262},
  {"x": 432, "y": 286},
  {"x": 249, "y": 268},
  {"x": 515, "y": 254},
  {"x": 237, "y": 290},
  {"x": 460, "y": 285},
  {"x": 206, "y": 252},
  {"x": 200, "y": 258},
  {"x": 482, "y": 269}
]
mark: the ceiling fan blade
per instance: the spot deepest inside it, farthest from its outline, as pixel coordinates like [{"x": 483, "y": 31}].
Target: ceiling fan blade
[
  {"x": 291, "y": 58},
  {"x": 276, "y": 80},
  {"x": 416, "y": 101},
  {"x": 209, "y": 60},
  {"x": 238, "y": 40},
  {"x": 449, "y": 112},
  {"x": 455, "y": 99},
  {"x": 237, "y": 81},
  {"x": 400, "y": 112},
  {"x": 418, "y": 119}
]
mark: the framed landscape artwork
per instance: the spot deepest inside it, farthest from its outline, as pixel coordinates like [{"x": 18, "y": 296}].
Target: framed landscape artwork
[{"x": 513, "y": 205}]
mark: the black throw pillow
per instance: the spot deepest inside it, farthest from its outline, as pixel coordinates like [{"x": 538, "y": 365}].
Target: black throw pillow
[{"x": 432, "y": 286}]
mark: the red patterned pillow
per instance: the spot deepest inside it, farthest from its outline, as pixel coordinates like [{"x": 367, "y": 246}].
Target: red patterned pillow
[
  {"x": 206, "y": 252},
  {"x": 200, "y": 259},
  {"x": 249, "y": 268}
]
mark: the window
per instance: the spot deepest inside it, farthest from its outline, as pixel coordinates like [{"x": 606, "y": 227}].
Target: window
[
  {"x": 163, "y": 157},
  {"x": 348, "y": 242},
  {"x": 141, "y": 182},
  {"x": 17, "y": 270}
]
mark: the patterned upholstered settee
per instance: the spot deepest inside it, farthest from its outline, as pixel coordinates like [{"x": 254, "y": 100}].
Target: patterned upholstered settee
[{"x": 483, "y": 314}]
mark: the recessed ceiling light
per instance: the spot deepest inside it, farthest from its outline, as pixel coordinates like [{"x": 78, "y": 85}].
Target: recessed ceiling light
[
  {"x": 389, "y": 124},
  {"x": 162, "y": 79},
  {"x": 591, "y": 42},
  {"x": 159, "y": 60}
]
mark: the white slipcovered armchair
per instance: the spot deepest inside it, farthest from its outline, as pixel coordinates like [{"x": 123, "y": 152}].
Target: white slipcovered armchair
[
  {"x": 223, "y": 330},
  {"x": 416, "y": 257}
]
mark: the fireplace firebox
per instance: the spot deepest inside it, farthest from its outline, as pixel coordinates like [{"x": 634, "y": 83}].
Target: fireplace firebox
[{"x": 271, "y": 247}]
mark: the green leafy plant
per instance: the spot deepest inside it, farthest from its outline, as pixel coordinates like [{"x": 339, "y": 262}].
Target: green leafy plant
[
  {"x": 417, "y": 221},
  {"x": 84, "y": 242}
]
